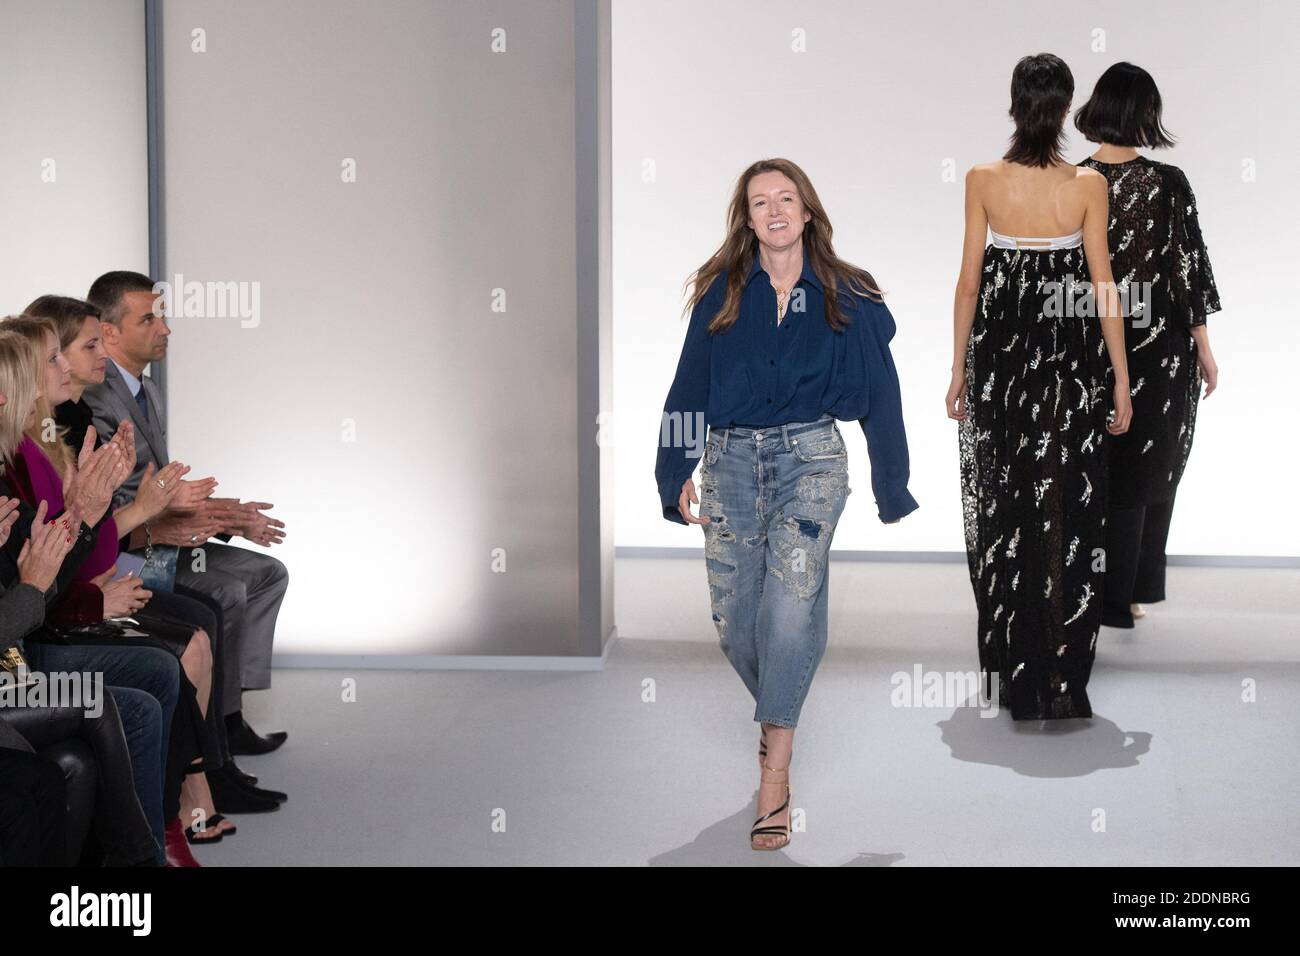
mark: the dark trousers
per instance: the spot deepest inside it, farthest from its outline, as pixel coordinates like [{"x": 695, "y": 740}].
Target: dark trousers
[
  {"x": 249, "y": 587},
  {"x": 198, "y": 612},
  {"x": 145, "y": 684},
  {"x": 1136, "y": 539},
  {"x": 122, "y": 832},
  {"x": 33, "y": 812}
]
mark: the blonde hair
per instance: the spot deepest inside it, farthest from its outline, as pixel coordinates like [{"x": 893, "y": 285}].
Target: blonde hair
[
  {"x": 33, "y": 331},
  {"x": 19, "y": 389}
]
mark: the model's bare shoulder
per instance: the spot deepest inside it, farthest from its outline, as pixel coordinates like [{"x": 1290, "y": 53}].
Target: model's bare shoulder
[
  {"x": 984, "y": 171},
  {"x": 980, "y": 178},
  {"x": 1089, "y": 178}
]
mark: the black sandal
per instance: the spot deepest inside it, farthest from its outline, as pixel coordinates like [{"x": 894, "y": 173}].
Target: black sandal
[
  {"x": 212, "y": 821},
  {"x": 782, "y": 830},
  {"x": 192, "y": 834}
]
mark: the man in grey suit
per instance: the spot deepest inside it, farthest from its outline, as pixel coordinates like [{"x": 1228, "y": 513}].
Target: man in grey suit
[{"x": 248, "y": 585}]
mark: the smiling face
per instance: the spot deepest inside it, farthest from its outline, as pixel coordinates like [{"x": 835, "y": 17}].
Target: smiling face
[{"x": 776, "y": 212}]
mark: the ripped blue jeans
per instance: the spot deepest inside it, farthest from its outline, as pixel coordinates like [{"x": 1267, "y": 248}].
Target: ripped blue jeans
[{"x": 773, "y": 496}]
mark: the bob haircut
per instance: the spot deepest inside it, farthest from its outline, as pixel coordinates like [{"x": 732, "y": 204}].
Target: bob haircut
[{"x": 1124, "y": 110}]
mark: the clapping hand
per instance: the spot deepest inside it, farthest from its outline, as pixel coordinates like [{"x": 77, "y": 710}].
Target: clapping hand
[
  {"x": 158, "y": 491},
  {"x": 8, "y": 515},
  {"x": 44, "y": 551},
  {"x": 125, "y": 438},
  {"x": 88, "y": 485},
  {"x": 191, "y": 494},
  {"x": 259, "y": 528}
]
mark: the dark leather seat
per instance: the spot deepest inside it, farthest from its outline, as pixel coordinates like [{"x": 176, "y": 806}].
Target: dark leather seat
[{"x": 51, "y": 732}]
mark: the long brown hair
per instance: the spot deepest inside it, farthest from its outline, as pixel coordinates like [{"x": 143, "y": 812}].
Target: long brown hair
[
  {"x": 68, "y": 315},
  {"x": 736, "y": 255}
]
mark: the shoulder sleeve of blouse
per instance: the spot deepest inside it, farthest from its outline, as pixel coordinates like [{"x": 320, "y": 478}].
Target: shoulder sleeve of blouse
[
  {"x": 1193, "y": 292},
  {"x": 682, "y": 425},
  {"x": 883, "y": 424}
]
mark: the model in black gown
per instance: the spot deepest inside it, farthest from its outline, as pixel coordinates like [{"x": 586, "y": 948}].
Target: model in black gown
[
  {"x": 1033, "y": 481},
  {"x": 1162, "y": 271}
]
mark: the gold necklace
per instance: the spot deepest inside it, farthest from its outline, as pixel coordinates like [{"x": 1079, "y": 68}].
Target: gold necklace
[{"x": 782, "y": 301}]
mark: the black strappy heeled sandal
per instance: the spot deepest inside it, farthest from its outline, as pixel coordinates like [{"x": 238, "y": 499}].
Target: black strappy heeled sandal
[
  {"x": 192, "y": 832},
  {"x": 782, "y": 830}
]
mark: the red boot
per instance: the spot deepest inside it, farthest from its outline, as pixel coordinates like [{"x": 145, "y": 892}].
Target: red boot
[{"x": 178, "y": 850}]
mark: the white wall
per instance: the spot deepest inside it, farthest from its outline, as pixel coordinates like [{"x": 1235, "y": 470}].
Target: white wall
[
  {"x": 73, "y": 167},
  {"x": 887, "y": 98}
]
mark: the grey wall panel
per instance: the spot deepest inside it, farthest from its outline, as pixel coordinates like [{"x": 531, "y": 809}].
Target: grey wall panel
[
  {"x": 376, "y": 319},
  {"x": 73, "y": 171}
]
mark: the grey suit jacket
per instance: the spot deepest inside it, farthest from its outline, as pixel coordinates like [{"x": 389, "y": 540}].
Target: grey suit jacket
[
  {"x": 112, "y": 403},
  {"x": 22, "y": 610}
]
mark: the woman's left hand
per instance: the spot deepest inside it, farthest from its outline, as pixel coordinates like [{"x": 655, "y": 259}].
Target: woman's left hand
[{"x": 8, "y": 515}]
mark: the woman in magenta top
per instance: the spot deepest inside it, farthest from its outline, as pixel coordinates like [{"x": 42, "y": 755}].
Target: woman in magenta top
[
  {"x": 94, "y": 598},
  {"x": 37, "y": 480}
]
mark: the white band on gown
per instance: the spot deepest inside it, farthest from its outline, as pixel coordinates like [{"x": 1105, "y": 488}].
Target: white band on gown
[{"x": 1071, "y": 241}]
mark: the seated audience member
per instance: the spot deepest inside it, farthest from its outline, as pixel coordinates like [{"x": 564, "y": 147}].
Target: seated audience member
[
  {"x": 146, "y": 717},
  {"x": 33, "y": 805},
  {"x": 33, "y": 817},
  {"x": 76, "y": 324},
  {"x": 249, "y": 586}
]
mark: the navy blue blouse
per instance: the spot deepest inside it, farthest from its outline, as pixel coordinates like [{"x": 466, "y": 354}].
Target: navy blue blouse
[{"x": 760, "y": 373}]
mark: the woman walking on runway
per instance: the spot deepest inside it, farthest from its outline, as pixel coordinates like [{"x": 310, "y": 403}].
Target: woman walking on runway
[
  {"x": 784, "y": 339},
  {"x": 1167, "y": 288},
  {"x": 1028, "y": 388}
]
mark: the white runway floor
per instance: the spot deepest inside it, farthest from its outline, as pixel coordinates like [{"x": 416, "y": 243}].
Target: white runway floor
[{"x": 481, "y": 768}]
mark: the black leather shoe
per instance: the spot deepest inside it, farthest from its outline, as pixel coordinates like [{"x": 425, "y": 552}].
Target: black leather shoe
[
  {"x": 247, "y": 779},
  {"x": 228, "y": 796},
  {"x": 243, "y": 781},
  {"x": 245, "y": 741},
  {"x": 275, "y": 795}
]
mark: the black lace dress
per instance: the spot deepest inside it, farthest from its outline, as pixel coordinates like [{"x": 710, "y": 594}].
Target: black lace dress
[
  {"x": 1033, "y": 480},
  {"x": 1163, "y": 273}
]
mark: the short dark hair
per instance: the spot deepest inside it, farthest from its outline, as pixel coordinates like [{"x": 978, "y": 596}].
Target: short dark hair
[
  {"x": 106, "y": 292},
  {"x": 1124, "y": 110},
  {"x": 1041, "y": 88},
  {"x": 67, "y": 314}
]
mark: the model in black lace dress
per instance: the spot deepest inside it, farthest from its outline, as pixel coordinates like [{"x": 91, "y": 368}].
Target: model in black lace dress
[
  {"x": 1029, "y": 390},
  {"x": 1033, "y": 481},
  {"x": 1167, "y": 289}
]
